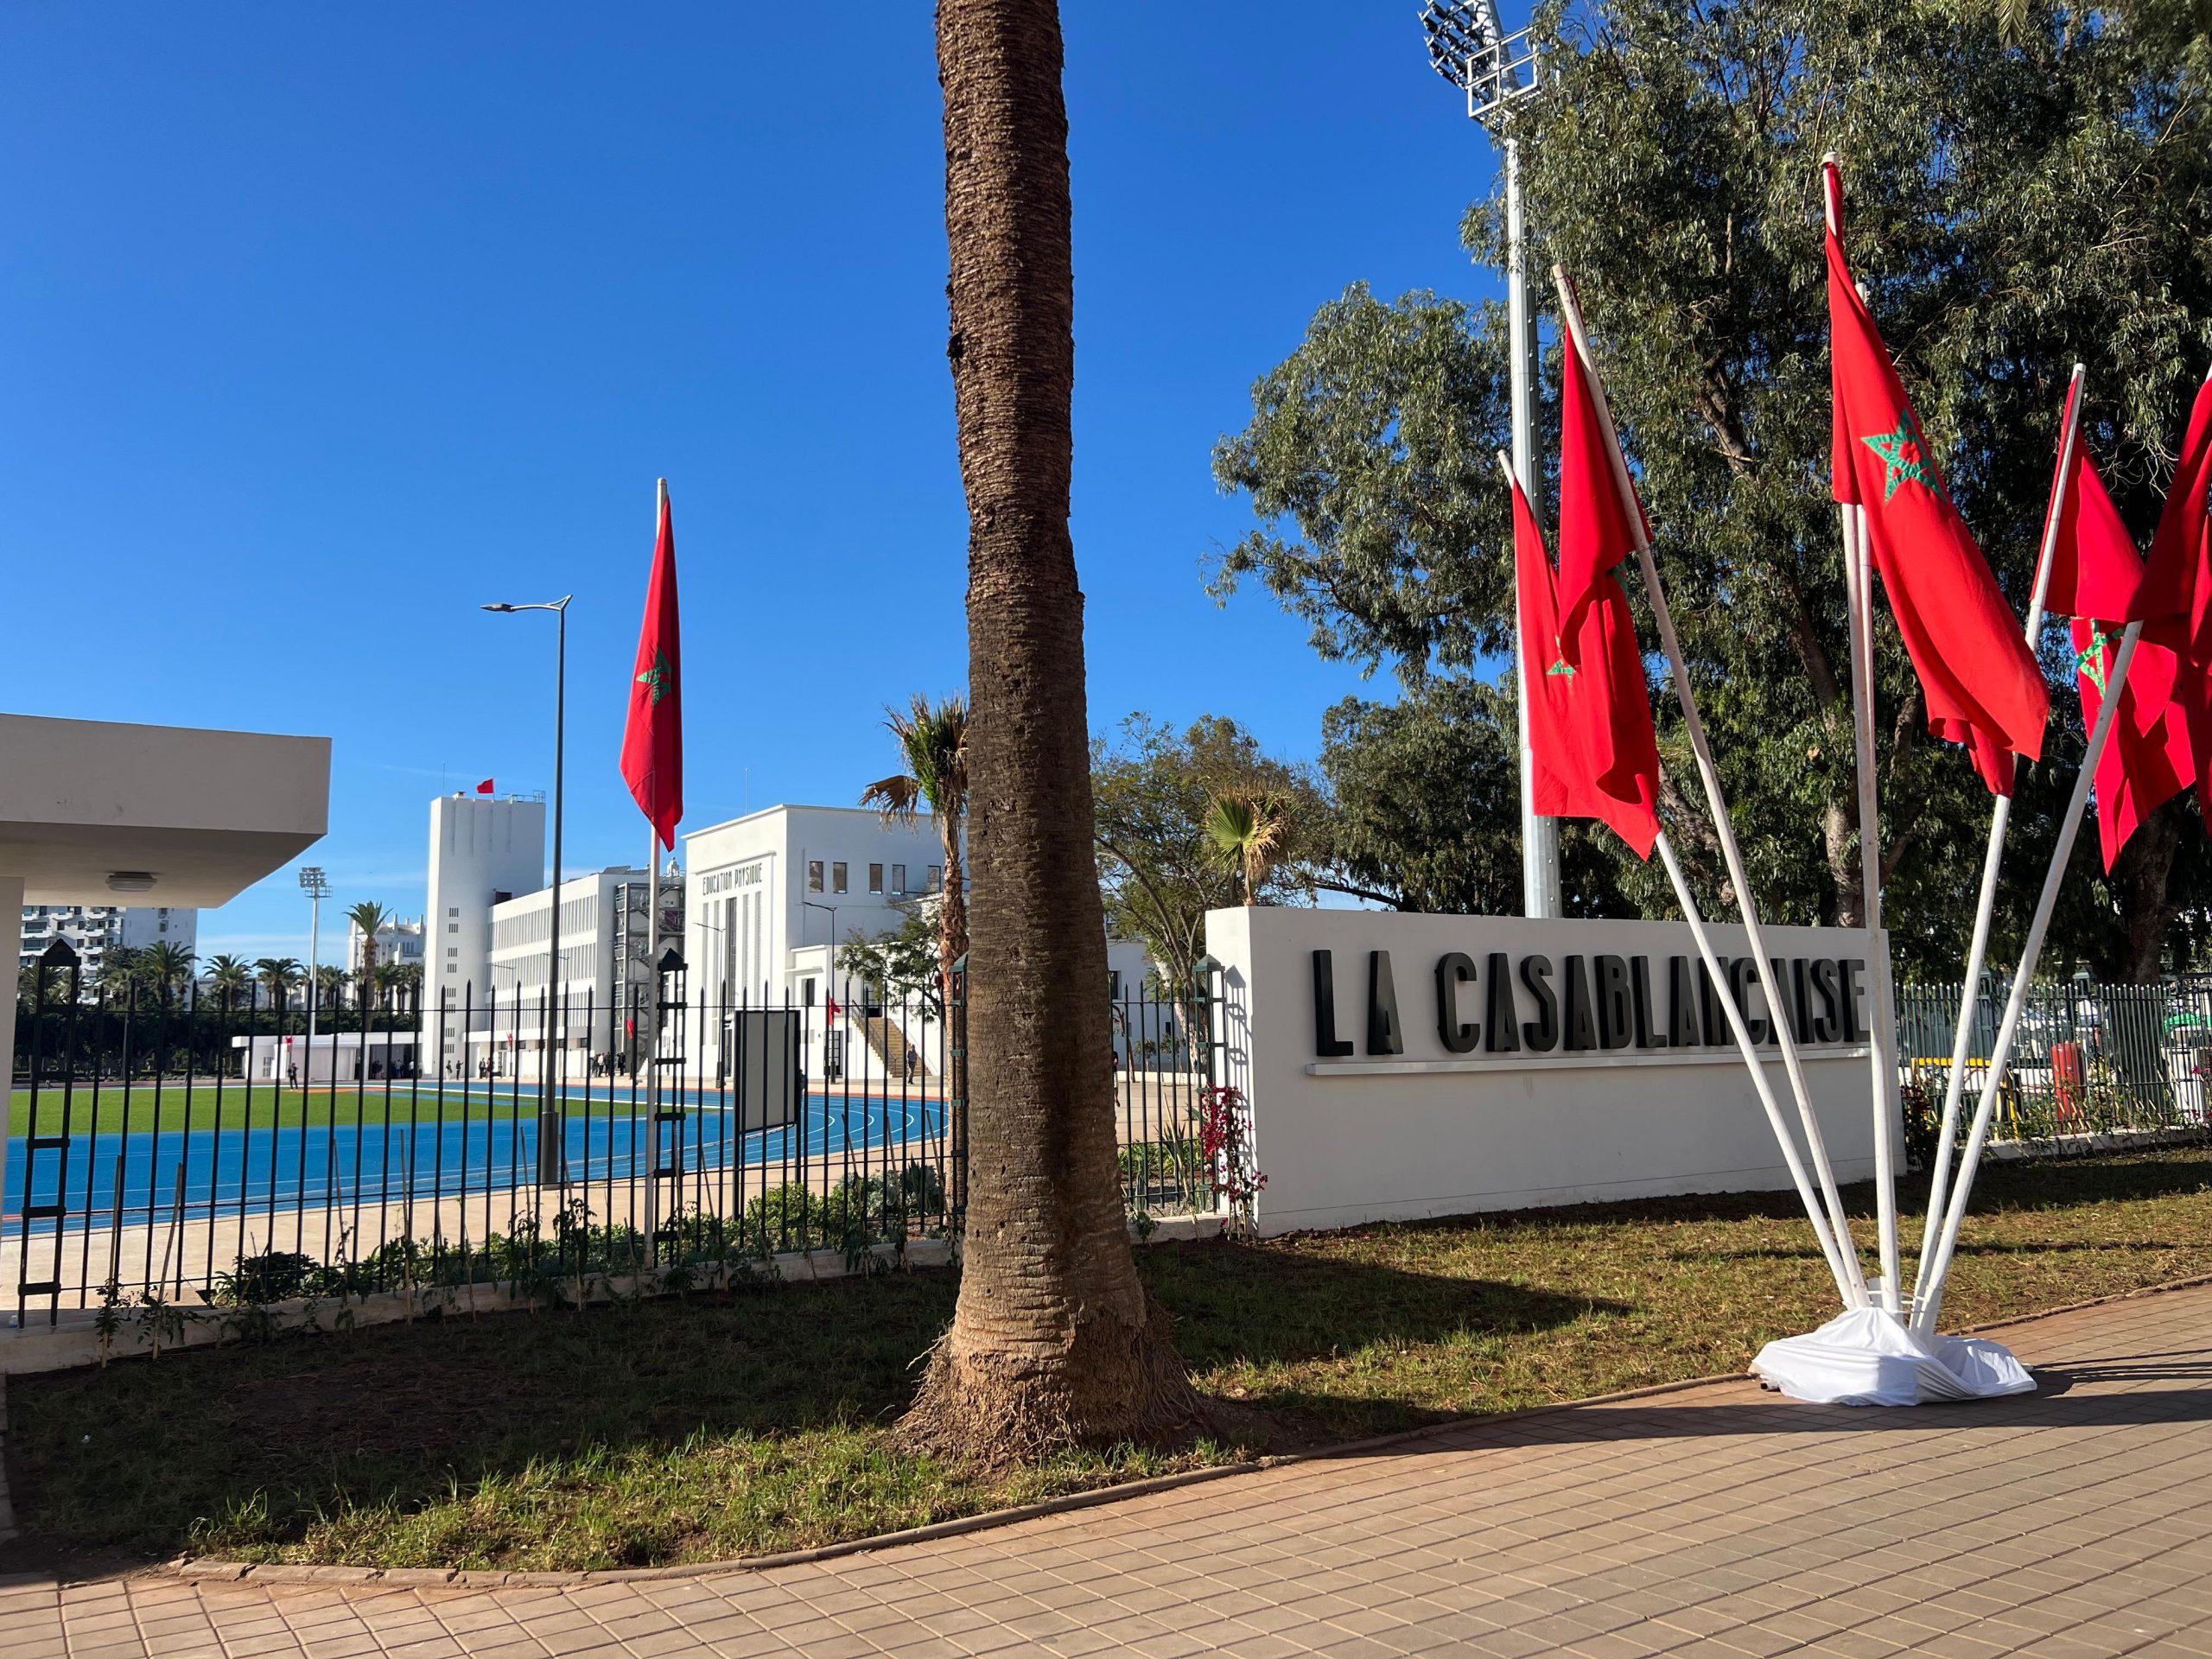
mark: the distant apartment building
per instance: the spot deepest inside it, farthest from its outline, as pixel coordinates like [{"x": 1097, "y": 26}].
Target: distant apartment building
[{"x": 92, "y": 931}]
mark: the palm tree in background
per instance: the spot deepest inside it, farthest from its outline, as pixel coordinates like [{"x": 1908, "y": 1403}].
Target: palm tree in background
[
  {"x": 280, "y": 976},
  {"x": 370, "y": 917},
  {"x": 329, "y": 987},
  {"x": 1054, "y": 1341},
  {"x": 1249, "y": 833},
  {"x": 229, "y": 976},
  {"x": 119, "y": 971},
  {"x": 397, "y": 980},
  {"x": 933, "y": 737},
  {"x": 166, "y": 966}
]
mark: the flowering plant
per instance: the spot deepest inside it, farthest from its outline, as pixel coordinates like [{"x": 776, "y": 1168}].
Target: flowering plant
[{"x": 1225, "y": 1145}]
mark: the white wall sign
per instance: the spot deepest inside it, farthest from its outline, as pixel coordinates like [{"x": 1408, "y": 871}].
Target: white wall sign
[{"x": 1400, "y": 1066}]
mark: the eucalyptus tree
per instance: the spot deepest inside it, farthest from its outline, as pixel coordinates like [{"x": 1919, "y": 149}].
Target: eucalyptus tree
[
  {"x": 1054, "y": 1341},
  {"x": 932, "y": 738},
  {"x": 2014, "y": 206}
]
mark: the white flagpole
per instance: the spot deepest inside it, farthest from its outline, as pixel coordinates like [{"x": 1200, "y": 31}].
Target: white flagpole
[
  {"x": 1859, "y": 595},
  {"x": 1930, "y": 1302},
  {"x": 1741, "y": 1032},
  {"x": 1737, "y": 1026},
  {"x": 1709, "y": 775},
  {"x": 1977, "y": 952}
]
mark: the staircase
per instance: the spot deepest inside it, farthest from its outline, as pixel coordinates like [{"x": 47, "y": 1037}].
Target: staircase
[{"x": 891, "y": 1046}]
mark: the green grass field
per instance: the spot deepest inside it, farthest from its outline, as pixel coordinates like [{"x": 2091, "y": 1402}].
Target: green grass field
[
  {"x": 733, "y": 1424},
  {"x": 173, "y": 1106}
]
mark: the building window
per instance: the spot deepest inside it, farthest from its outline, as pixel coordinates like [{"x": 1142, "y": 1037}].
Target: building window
[
  {"x": 1114, "y": 985},
  {"x": 452, "y": 951},
  {"x": 875, "y": 877},
  {"x": 806, "y": 993},
  {"x": 897, "y": 878},
  {"x": 452, "y": 910},
  {"x": 453, "y": 927},
  {"x": 814, "y": 875},
  {"x": 837, "y": 877},
  {"x": 934, "y": 879}
]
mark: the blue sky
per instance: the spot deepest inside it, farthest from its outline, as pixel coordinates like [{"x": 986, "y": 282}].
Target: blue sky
[{"x": 319, "y": 327}]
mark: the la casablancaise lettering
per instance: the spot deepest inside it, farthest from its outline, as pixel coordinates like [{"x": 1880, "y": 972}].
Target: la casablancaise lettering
[{"x": 1637, "y": 1004}]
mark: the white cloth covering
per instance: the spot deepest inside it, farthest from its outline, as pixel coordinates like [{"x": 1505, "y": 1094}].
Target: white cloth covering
[{"x": 1867, "y": 1358}]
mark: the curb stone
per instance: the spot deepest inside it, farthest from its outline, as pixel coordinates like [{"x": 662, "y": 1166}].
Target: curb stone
[{"x": 990, "y": 1519}]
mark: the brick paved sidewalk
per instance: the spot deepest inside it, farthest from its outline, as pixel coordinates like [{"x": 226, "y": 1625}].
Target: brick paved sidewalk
[{"x": 1715, "y": 1521}]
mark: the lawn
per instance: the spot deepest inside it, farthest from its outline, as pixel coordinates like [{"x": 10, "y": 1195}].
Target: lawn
[
  {"x": 738, "y": 1424},
  {"x": 174, "y": 1106}
]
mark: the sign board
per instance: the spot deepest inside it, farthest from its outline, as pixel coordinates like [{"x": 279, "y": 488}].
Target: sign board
[
  {"x": 766, "y": 1046},
  {"x": 1401, "y": 1065}
]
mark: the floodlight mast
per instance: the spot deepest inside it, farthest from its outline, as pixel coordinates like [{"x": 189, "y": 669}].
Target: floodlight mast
[{"x": 1469, "y": 47}]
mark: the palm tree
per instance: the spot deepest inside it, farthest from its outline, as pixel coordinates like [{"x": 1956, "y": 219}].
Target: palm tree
[
  {"x": 279, "y": 975},
  {"x": 229, "y": 976},
  {"x": 1054, "y": 1342},
  {"x": 119, "y": 971},
  {"x": 369, "y": 917},
  {"x": 166, "y": 966},
  {"x": 933, "y": 737},
  {"x": 397, "y": 979},
  {"x": 329, "y": 987},
  {"x": 1249, "y": 833}
]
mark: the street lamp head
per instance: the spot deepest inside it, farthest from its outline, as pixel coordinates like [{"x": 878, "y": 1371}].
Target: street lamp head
[
  {"x": 499, "y": 607},
  {"x": 1469, "y": 47}
]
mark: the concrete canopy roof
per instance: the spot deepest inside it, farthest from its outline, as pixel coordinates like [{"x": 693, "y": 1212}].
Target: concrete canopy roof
[{"x": 207, "y": 814}]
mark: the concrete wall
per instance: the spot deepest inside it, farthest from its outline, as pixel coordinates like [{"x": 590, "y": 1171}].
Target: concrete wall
[{"x": 1366, "y": 1136}]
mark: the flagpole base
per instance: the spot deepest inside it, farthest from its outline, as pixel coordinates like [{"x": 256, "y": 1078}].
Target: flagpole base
[{"x": 1868, "y": 1356}]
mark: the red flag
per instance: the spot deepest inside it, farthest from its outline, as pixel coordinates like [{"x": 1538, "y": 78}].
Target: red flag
[
  {"x": 484, "y": 788},
  {"x": 1589, "y": 712},
  {"x": 2095, "y": 578},
  {"x": 2177, "y": 581},
  {"x": 1595, "y": 529},
  {"x": 652, "y": 737},
  {"x": 1980, "y": 680}
]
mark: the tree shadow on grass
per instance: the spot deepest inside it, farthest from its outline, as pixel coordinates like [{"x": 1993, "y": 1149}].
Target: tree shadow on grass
[{"x": 1236, "y": 1303}]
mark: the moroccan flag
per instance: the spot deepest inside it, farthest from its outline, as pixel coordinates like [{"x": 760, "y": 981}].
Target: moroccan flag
[
  {"x": 652, "y": 737},
  {"x": 1980, "y": 679},
  {"x": 2177, "y": 581},
  {"x": 1596, "y": 528},
  {"x": 2175, "y": 603},
  {"x": 2095, "y": 578},
  {"x": 484, "y": 788},
  {"x": 1589, "y": 713}
]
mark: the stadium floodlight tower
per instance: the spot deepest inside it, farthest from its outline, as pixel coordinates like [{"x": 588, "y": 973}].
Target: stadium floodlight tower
[{"x": 1470, "y": 47}]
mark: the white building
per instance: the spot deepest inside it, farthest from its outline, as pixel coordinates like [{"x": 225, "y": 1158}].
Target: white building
[
  {"x": 484, "y": 849},
  {"x": 94, "y": 929},
  {"x": 768, "y": 897},
  {"x": 591, "y": 924}
]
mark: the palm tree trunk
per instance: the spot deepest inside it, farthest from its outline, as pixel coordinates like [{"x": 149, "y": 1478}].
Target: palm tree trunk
[
  {"x": 1054, "y": 1341},
  {"x": 953, "y": 904}
]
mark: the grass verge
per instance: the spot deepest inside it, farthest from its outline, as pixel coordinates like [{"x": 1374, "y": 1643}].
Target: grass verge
[{"x": 737, "y": 1424}]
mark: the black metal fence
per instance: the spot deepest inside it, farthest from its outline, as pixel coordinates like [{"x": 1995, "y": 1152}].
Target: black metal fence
[
  {"x": 233, "y": 1146},
  {"x": 2087, "y": 1058}
]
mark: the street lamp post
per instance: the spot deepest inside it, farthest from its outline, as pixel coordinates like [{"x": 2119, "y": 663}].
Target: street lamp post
[
  {"x": 552, "y": 1131},
  {"x": 316, "y": 886},
  {"x": 1470, "y": 47}
]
